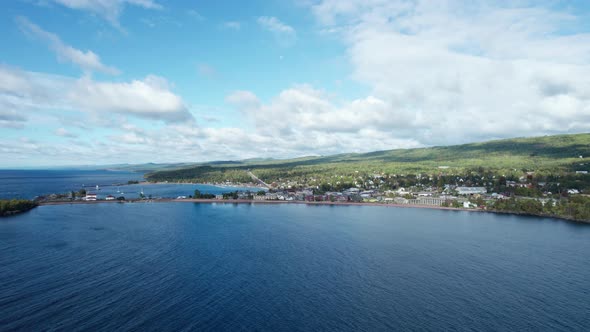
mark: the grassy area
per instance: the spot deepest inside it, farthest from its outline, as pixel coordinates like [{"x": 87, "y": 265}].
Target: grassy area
[{"x": 544, "y": 155}]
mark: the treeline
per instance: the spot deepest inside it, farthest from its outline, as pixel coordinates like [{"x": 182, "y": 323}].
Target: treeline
[
  {"x": 9, "y": 207},
  {"x": 198, "y": 194},
  {"x": 575, "y": 207},
  {"x": 201, "y": 174}
]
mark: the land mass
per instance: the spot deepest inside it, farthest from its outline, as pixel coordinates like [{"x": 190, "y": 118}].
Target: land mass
[
  {"x": 15, "y": 206},
  {"x": 546, "y": 175}
]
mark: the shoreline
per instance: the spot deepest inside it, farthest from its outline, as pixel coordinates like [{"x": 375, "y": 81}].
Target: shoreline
[
  {"x": 147, "y": 183},
  {"x": 246, "y": 201}
]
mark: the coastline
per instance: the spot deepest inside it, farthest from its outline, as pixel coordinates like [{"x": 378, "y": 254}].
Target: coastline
[
  {"x": 246, "y": 201},
  {"x": 253, "y": 186}
]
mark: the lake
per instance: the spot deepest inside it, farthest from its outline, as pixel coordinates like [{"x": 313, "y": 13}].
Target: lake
[
  {"x": 228, "y": 267},
  {"x": 31, "y": 183}
]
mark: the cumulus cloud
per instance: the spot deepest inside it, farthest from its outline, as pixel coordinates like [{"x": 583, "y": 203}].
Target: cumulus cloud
[
  {"x": 284, "y": 33},
  {"x": 110, "y": 10},
  {"x": 88, "y": 61},
  {"x": 149, "y": 98},
  {"x": 305, "y": 109},
  {"x": 452, "y": 72},
  {"x": 437, "y": 73},
  {"x": 243, "y": 100}
]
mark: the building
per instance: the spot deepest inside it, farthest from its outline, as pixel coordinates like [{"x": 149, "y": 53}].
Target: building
[
  {"x": 90, "y": 197},
  {"x": 471, "y": 190},
  {"x": 468, "y": 205},
  {"x": 110, "y": 198},
  {"x": 431, "y": 201}
]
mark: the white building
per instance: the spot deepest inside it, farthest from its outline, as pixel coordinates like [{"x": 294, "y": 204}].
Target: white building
[
  {"x": 90, "y": 197},
  {"x": 471, "y": 190}
]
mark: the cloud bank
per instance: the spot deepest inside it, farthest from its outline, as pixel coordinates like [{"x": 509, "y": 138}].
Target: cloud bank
[{"x": 148, "y": 98}]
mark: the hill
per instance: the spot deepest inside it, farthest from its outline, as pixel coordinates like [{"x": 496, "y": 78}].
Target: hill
[{"x": 549, "y": 155}]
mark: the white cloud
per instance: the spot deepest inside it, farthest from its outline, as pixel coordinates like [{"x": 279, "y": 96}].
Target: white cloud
[
  {"x": 149, "y": 98},
  {"x": 243, "y": 100},
  {"x": 284, "y": 33},
  {"x": 437, "y": 73},
  {"x": 452, "y": 72},
  {"x": 88, "y": 61},
  {"x": 108, "y": 9}
]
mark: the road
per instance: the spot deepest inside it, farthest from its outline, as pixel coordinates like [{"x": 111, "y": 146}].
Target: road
[{"x": 255, "y": 178}]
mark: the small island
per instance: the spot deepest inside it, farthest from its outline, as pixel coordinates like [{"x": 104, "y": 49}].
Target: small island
[{"x": 15, "y": 206}]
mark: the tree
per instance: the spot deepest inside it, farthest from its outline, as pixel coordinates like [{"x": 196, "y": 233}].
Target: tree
[
  {"x": 13, "y": 206},
  {"x": 197, "y": 193}
]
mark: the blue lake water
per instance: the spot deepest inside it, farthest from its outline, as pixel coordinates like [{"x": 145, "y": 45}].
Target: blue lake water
[
  {"x": 31, "y": 183},
  {"x": 228, "y": 267}
]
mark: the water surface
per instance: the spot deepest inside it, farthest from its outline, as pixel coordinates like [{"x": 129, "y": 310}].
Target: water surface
[
  {"x": 182, "y": 266},
  {"x": 28, "y": 184}
]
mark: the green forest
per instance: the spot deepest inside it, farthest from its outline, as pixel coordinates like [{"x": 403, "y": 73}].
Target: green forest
[{"x": 9, "y": 207}]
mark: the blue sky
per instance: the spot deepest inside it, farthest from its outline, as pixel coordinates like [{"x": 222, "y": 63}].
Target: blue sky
[{"x": 130, "y": 81}]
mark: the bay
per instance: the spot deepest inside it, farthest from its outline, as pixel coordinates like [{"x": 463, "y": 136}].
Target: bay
[
  {"x": 28, "y": 184},
  {"x": 291, "y": 267}
]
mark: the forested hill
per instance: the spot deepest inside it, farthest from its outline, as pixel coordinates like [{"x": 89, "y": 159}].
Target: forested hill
[{"x": 547, "y": 154}]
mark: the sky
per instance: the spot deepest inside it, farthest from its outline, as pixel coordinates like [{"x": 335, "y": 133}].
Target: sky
[{"x": 87, "y": 82}]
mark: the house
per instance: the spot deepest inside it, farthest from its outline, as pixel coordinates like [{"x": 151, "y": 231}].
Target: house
[
  {"x": 468, "y": 205},
  {"x": 581, "y": 172},
  {"x": 110, "y": 198},
  {"x": 90, "y": 197},
  {"x": 402, "y": 191},
  {"x": 219, "y": 196},
  {"x": 573, "y": 191}
]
